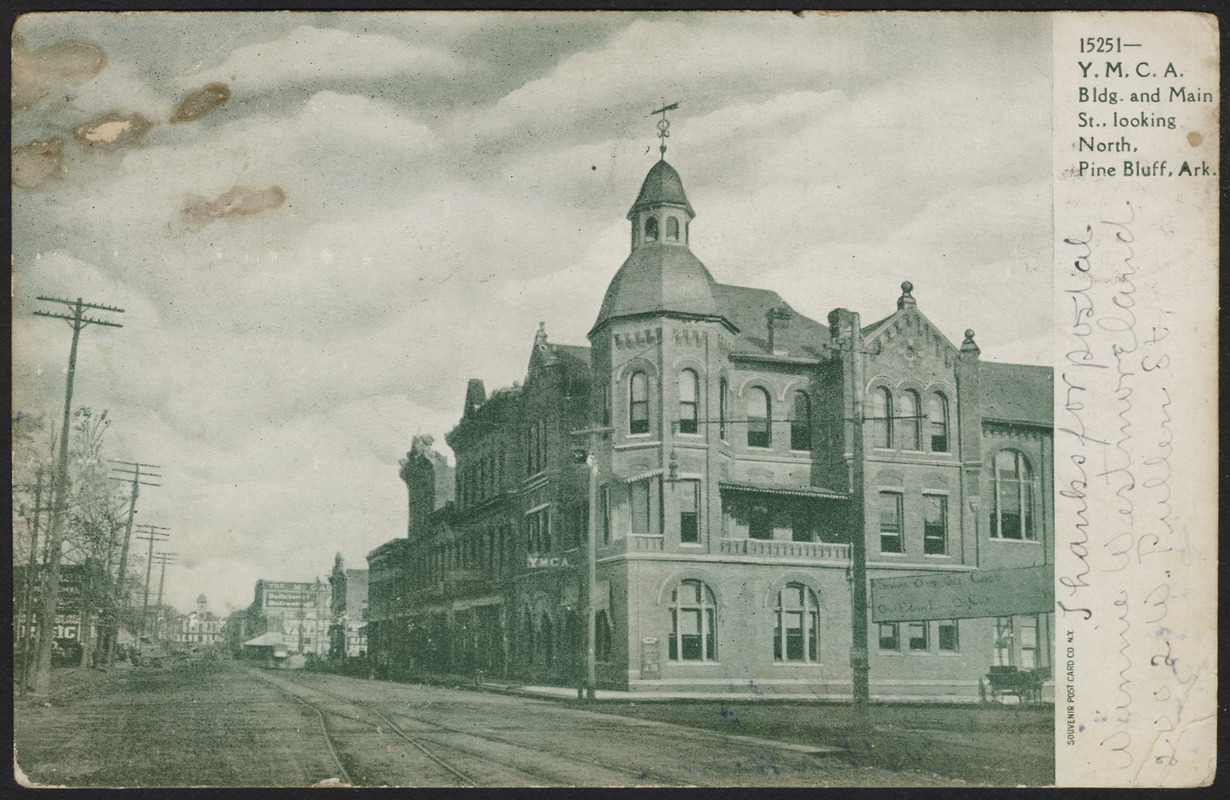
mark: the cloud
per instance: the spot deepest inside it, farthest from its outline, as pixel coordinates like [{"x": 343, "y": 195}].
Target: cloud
[{"x": 308, "y": 55}]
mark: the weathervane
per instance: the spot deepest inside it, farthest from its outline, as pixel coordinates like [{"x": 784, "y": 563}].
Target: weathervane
[{"x": 664, "y": 126}]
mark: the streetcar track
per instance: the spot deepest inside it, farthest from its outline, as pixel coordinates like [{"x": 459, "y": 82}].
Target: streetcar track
[
  {"x": 464, "y": 778},
  {"x": 491, "y": 737}
]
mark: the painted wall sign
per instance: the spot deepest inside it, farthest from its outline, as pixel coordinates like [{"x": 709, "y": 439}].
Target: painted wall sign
[{"x": 960, "y": 595}]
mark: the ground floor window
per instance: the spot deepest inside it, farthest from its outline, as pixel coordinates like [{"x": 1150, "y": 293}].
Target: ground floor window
[
  {"x": 602, "y": 637},
  {"x": 948, "y": 639},
  {"x": 917, "y": 633},
  {"x": 890, "y": 636},
  {"x": 1003, "y": 642},
  {"x": 693, "y": 623},
  {"x": 1028, "y": 635},
  {"x": 796, "y": 635}
]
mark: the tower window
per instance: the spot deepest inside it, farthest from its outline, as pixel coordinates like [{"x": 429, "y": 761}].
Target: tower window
[
  {"x": 651, "y": 229},
  {"x": 638, "y": 406},
  {"x": 723, "y": 390},
  {"x": 687, "y": 401},
  {"x": 672, "y": 229}
]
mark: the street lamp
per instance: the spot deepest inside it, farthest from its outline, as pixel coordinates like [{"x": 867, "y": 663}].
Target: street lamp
[{"x": 591, "y": 555}]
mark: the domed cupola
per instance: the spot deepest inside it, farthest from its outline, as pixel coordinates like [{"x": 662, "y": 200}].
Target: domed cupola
[
  {"x": 661, "y": 212},
  {"x": 661, "y": 276}
]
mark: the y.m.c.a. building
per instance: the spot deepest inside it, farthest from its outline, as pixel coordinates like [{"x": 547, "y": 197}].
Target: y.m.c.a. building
[{"x": 755, "y": 474}]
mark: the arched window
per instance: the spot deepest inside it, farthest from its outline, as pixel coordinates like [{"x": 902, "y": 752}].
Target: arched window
[
  {"x": 672, "y": 229},
  {"x": 687, "y": 401},
  {"x": 759, "y": 416},
  {"x": 638, "y": 403},
  {"x": 881, "y": 417},
  {"x": 911, "y": 423},
  {"x": 651, "y": 229},
  {"x": 796, "y": 632},
  {"x": 693, "y": 623},
  {"x": 1011, "y": 497},
  {"x": 800, "y": 423},
  {"x": 723, "y": 390},
  {"x": 937, "y": 422}
]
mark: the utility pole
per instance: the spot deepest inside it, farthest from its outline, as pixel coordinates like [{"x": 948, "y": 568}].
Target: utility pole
[
  {"x": 164, "y": 559},
  {"x": 47, "y": 618},
  {"x": 27, "y": 651},
  {"x": 153, "y": 533},
  {"x": 591, "y": 560},
  {"x": 121, "y": 601}
]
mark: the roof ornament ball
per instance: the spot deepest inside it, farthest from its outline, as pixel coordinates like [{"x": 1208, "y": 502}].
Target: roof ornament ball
[
  {"x": 969, "y": 345},
  {"x": 663, "y": 127},
  {"x": 906, "y": 298}
]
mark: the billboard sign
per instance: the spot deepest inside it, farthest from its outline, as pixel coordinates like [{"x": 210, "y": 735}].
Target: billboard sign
[{"x": 961, "y": 595}]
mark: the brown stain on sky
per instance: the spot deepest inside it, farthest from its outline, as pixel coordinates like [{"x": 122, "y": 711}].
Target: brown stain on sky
[
  {"x": 38, "y": 73},
  {"x": 35, "y": 162},
  {"x": 236, "y": 201},
  {"x": 198, "y": 103},
  {"x": 112, "y": 131}
]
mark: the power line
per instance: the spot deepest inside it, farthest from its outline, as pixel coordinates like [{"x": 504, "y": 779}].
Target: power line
[
  {"x": 121, "y": 598},
  {"x": 153, "y": 533}
]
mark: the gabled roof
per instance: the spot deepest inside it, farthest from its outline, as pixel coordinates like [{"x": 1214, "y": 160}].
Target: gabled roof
[
  {"x": 1017, "y": 393},
  {"x": 748, "y": 309}
]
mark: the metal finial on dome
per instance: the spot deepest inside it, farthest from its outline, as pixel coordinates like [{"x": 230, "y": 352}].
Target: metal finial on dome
[
  {"x": 664, "y": 127},
  {"x": 906, "y": 298}
]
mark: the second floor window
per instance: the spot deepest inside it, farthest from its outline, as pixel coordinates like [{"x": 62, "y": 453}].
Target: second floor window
[
  {"x": 638, "y": 403},
  {"x": 689, "y": 512},
  {"x": 800, "y": 423},
  {"x": 935, "y": 525},
  {"x": 1011, "y": 497},
  {"x": 891, "y": 540},
  {"x": 759, "y": 416},
  {"x": 687, "y": 401}
]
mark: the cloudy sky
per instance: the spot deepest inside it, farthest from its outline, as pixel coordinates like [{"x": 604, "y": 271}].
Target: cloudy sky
[{"x": 354, "y": 213}]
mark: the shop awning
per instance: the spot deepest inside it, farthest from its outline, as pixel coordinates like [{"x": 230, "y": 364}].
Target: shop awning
[
  {"x": 817, "y": 492},
  {"x": 269, "y": 639}
]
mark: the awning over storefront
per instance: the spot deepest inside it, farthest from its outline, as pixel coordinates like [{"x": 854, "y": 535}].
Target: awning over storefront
[
  {"x": 782, "y": 489},
  {"x": 269, "y": 639}
]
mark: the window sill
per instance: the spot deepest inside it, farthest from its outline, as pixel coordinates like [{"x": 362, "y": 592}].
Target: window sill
[
  {"x": 694, "y": 663},
  {"x": 898, "y": 555},
  {"x": 937, "y": 555},
  {"x": 797, "y": 664},
  {"x": 1015, "y": 541}
]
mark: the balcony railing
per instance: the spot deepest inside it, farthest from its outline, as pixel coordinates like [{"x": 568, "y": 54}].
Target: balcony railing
[{"x": 812, "y": 551}]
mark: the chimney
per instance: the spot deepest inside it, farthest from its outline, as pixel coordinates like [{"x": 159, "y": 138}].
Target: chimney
[{"x": 779, "y": 329}]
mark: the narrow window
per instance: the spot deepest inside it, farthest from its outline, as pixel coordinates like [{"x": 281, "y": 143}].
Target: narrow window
[
  {"x": 604, "y": 513},
  {"x": 890, "y": 523},
  {"x": 651, "y": 229},
  {"x": 640, "y": 506},
  {"x": 760, "y": 522},
  {"x": 723, "y": 390},
  {"x": 935, "y": 525},
  {"x": 638, "y": 405},
  {"x": 1003, "y": 642},
  {"x": 689, "y": 512},
  {"x": 602, "y": 637},
  {"x": 881, "y": 418},
  {"x": 802, "y": 524},
  {"x": 687, "y": 401},
  {"x": 911, "y": 438},
  {"x": 672, "y": 229},
  {"x": 948, "y": 641},
  {"x": 917, "y": 633},
  {"x": 796, "y": 634},
  {"x": 800, "y": 423},
  {"x": 890, "y": 636},
  {"x": 693, "y": 623},
  {"x": 1028, "y": 636},
  {"x": 937, "y": 423},
  {"x": 1011, "y": 496},
  {"x": 759, "y": 410}
]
